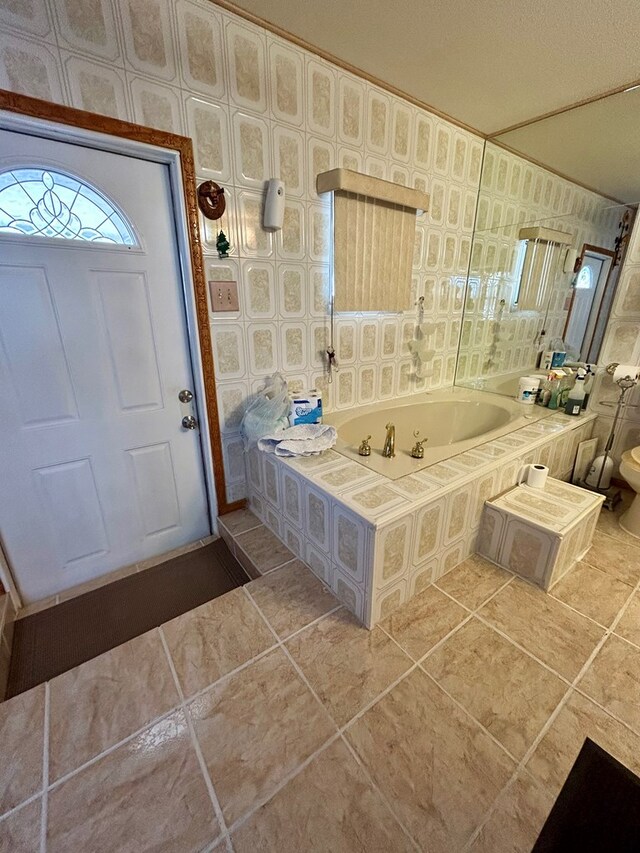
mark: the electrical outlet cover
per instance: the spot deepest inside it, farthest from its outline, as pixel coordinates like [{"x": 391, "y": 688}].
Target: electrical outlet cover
[{"x": 224, "y": 295}]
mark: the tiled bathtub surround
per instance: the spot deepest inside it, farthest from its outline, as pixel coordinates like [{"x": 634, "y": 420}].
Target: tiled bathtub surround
[
  {"x": 269, "y": 719},
  {"x": 257, "y": 106},
  {"x": 378, "y": 542}
]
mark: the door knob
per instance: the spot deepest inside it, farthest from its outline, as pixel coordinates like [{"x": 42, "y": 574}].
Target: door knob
[
  {"x": 185, "y": 396},
  {"x": 189, "y": 422}
]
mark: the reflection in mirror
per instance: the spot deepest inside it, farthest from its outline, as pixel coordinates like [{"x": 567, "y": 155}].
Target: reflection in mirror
[{"x": 522, "y": 295}]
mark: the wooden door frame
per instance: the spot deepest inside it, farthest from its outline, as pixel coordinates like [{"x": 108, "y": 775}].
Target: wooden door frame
[
  {"x": 62, "y": 115},
  {"x": 598, "y": 250}
]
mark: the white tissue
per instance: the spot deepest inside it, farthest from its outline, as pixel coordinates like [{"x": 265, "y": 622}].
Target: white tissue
[{"x": 623, "y": 371}]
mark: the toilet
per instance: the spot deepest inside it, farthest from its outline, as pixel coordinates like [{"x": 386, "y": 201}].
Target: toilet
[{"x": 630, "y": 470}]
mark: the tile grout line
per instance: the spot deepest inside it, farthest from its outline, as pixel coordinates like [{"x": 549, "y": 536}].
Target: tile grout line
[
  {"x": 340, "y": 730},
  {"x": 195, "y": 743},
  {"x": 572, "y": 688},
  {"x": 376, "y": 788},
  {"x": 45, "y": 768}
]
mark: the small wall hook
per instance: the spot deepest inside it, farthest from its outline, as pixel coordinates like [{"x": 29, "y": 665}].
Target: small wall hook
[{"x": 211, "y": 200}]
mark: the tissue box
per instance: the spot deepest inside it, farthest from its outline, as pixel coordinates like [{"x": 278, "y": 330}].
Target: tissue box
[
  {"x": 539, "y": 534},
  {"x": 306, "y": 409}
]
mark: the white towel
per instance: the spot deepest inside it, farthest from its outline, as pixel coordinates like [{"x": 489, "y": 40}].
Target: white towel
[{"x": 300, "y": 440}]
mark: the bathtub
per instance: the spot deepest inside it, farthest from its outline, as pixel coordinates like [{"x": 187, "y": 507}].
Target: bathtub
[{"x": 453, "y": 420}]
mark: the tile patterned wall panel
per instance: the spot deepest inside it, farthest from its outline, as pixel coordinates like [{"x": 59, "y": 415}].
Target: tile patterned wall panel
[
  {"x": 182, "y": 61},
  {"x": 202, "y": 64},
  {"x": 348, "y": 550},
  {"x": 97, "y": 88},
  {"x": 86, "y": 25},
  {"x": 393, "y": 552}
]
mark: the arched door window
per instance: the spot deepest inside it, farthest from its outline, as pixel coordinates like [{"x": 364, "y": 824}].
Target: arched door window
[{"x": 47, "y": 203}]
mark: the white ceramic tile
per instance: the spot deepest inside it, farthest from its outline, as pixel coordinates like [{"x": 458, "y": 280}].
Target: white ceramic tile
[
  {"x": 207, "y": 126},
  {"x": 289, "y": 160},
  {"x": 258, "y": 288},
  {"x": 350, "y": 110},
  {"x": 30, "y": 68},
  {"x": 148, "y": 37},
  {"x": 156, "y": 105},
  {"x": 317, "y": 511},
  {"x": 393, "y": 552},
  {"x": 255, "y": 242},
  {"x": 246, "y": 47},
  {"x": 286, "y": 76},
  {"x": 349, "y": 593},
  {"x": 229, "y": 350},
  {"x": 32, "y": 19},
  {"x": 252, "y": 150},
  {"x": 292, "y": 284},
  {"x": 91, "y": 30},
  {"x": 292, "y": 238},
  {"x": 349, "y": 551},
  {"x": 321, "y": 99},
  {"x": 97, "y": 88},
  {"x": 200, "y": 42},
  {"x": 263, "y": 348},
  {"x": 293, "y": 346}
]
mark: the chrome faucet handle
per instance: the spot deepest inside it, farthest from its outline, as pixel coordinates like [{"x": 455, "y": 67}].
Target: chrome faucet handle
[
  {"x": 417, "y": 451},
  {"x": 365, "y": 447}
]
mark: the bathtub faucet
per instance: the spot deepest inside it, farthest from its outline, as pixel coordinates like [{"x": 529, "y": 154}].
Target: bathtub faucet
[{"x": 389, "y": 448}]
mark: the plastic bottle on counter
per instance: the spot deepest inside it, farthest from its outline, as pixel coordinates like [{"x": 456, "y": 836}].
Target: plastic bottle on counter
[{"x": 573, "y": 406}]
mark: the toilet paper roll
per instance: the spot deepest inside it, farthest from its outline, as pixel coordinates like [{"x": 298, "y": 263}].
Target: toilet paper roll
[
  {"x": 537, "y": 476},
  {"x": 624, "y": 370}
]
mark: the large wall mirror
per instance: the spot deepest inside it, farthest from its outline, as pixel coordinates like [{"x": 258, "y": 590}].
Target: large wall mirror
[{"x": 525, "y": 292}]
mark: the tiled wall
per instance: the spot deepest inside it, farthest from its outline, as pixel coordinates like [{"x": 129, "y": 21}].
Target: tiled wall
[
  {"x": 514, "y": 192},
  {"x": 257, "y": 107},
  {"x": 622, "y": 344}
]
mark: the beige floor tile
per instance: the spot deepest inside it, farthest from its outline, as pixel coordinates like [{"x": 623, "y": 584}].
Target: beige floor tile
[
  {"x": 423, "y": 621},
  {"x": 21, "y": 745},
  {"x": 148, "y": 794},
  {"x": 264, "y": 549},
  {"x": 255, "y": 728},
  {"x": 106, "y": 699},
  {"x": 506, "y": 691},
  {"x": 520, "y": 813},
  {"x": 608, "y": 522},
  {"x": 613, "y": 680},
  {"x": 580, "y": 718},
  {"x": 347, "y": 665},
  {"x": 593, "y": 592},
  {"x": 473, "y": 581},
  {"x": 559, "y": 637},
  {"x": 214, "y": 639},
  {"x": 239, "y": 521},
  {"x": 291, "y": 598},
  {"x": 614, "y": 557},
  {"x": 629, "y": 626},
  {"x": 20, "y": 832},
  {"x": 439, "y": 771},
  {"x": 329, "y": 806}
]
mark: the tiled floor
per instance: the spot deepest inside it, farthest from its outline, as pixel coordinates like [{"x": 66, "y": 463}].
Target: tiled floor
[{"x": 269, "y": 720}]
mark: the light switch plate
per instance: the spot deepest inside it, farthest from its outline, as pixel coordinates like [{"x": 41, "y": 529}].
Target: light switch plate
[{"x": 224, "y": 295}]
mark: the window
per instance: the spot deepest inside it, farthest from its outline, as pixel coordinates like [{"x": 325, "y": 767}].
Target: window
[
  {"x": 583, "y": 281},
  {"x": 46, "y": 203}
]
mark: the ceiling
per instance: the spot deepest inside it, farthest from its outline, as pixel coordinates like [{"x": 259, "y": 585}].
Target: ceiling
[{"x": 485, "y": 63}]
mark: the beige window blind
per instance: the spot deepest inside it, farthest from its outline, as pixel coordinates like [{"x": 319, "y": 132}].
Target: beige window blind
[{"x": 374, "y": 224}]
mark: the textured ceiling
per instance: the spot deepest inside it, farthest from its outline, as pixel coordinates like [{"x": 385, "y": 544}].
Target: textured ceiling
[
  {"x": 597, "y": 144},
  {"x": 492, "y": 64},
  {"x": 488, "y": 63}
]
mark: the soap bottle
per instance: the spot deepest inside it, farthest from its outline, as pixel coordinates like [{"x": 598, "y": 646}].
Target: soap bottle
[
  {"x": 573, "y": 406},
  {"x": 555, "y": 390}
]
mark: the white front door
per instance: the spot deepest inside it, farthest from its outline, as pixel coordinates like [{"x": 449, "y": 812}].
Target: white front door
[{"x": 96, "y": 469}]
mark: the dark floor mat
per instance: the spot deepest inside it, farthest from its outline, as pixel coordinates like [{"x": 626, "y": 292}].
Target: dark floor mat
[
  {"x": 61, "y": 637},
  {"x": 597, "y": 810}
]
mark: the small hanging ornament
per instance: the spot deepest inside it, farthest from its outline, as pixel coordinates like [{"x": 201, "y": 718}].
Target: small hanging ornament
[{"x": 222, "y": 245}]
